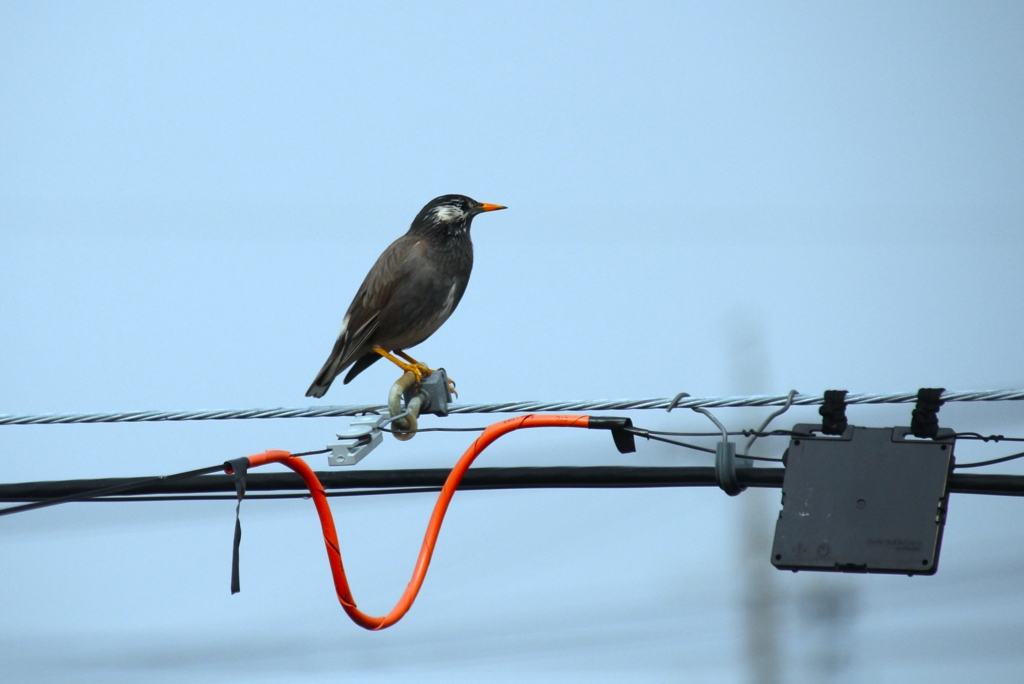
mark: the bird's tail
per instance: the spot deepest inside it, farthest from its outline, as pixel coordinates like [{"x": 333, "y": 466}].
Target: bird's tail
[
  {"x": 322, "y": 383},
  {"x": 331, "y": 368}
]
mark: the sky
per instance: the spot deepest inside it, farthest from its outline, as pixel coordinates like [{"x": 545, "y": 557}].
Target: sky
[{"x": 190, "y": 194}]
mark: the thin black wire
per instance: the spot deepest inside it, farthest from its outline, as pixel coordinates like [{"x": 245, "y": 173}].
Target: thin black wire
[
  {"x": 313, "y": 453},
  {"x": 691, "y": 434},
  {"x": 731, "y": 433},
  {"x": 648, "y": 434},
  {"x": 988, "y": 438},
  {"x": 640, "y": 432},
  {"x": 979, "y": 464},
  {"x": 736, "y": 433},
  {"x": 233, "y": 497},
  {"x": 435, "y": 429}
]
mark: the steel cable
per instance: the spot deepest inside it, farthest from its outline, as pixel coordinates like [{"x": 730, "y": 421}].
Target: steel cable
[{"x": 502, "y": 407}]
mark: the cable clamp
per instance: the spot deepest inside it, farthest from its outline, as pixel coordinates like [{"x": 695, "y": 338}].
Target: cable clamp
[
  {"x": 432, "y": 395},
  {"x": 362, "y": 436},
  {"x": 725, "y": 458}
]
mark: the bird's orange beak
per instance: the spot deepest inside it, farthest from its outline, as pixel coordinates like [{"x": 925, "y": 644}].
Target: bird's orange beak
[{"x": 491, "y": 207}]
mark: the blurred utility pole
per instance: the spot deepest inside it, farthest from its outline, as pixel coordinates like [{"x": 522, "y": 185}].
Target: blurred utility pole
[
  {"x": 828, "y": 610},
  {"x": 748, "y": 355}
]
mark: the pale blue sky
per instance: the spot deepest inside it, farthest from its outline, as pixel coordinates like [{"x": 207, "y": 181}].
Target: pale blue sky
[{"x": 191, "y": 193}]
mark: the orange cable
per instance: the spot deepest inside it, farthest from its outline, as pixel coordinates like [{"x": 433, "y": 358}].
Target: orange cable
[{"x": 489, "y": 435}]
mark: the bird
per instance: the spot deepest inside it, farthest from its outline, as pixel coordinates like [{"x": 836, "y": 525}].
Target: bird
[{"x": 412, "y": 289}]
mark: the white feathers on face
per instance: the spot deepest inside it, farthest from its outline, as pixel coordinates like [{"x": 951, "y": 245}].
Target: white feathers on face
[{"x": 448, "y": 213}]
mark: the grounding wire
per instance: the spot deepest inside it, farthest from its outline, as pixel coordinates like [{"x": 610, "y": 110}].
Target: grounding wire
[
  {"x": 978, "y": 464},
  {"x": 506, "y": 407},
  {"x": 647, "y": 434},
  {"x": 640, "y": 432},
  {"x": 987, "y": 438}
]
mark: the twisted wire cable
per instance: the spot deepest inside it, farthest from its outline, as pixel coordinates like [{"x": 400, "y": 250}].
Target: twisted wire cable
[{"x": 503, "y": 407}]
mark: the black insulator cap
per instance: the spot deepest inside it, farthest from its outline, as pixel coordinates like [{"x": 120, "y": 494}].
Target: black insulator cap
[
  {"x": 924, "y": 421},
  {"x": 833, "y": 412},
  {"x": 624, "y": 440}
]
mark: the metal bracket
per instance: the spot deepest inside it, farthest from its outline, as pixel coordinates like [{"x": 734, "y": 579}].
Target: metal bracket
[
  {"x": 434, "y": 393},
  {"x": 431, "y": 396},
  {"x": 362, "y": 436}
]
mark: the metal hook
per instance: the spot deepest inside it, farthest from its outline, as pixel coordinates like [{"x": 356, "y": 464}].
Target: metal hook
[
  {"x": 769, "y": 419},
  {"x": 675, "y": 402},
  {"x": 725, "y": 433}
]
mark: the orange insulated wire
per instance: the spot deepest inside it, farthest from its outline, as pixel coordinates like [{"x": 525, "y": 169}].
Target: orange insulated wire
[{"x": 489, "y": 435}]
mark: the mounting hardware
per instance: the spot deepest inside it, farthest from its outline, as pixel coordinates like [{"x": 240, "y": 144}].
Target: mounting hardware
[
  {"x": 362, "y": 436},
  {"x": 431, "y": 396},
  {"x": 725, "y": 458},
  {"x": 868, "y": 500},
  {"x": 434, "y": 392}
]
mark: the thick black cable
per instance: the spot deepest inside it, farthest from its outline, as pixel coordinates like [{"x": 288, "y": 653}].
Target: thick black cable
[
  {"x": 493, "y": 478},
  {"x": 112, "y": 489},
  {"x": 431, "y": 479}
]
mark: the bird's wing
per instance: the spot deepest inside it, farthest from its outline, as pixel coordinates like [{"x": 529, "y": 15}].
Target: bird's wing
[{"x": 361, "y": 319}]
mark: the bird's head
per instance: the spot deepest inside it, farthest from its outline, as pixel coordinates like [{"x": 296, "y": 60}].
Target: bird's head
[{"x": 449, "y": 215}]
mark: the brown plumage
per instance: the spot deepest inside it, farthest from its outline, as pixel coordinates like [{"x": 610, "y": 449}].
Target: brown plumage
[{"x": 411, "y": 290}]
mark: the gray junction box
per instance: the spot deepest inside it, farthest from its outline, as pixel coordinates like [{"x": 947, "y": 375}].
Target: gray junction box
[{"x": 869, "y": 500}]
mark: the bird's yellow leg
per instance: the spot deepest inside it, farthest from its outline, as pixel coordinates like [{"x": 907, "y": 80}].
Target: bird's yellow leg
[
  {"x": 422, "y": 366},
  {"x": 426, "y": 371},
  {"x": 416, "y": 368}
]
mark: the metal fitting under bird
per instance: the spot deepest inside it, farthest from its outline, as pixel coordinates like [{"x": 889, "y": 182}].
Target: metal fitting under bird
[{"x": 408, "y": 294}]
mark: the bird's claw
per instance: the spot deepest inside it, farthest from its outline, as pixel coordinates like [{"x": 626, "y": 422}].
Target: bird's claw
[{"x": 420, "y": 371}]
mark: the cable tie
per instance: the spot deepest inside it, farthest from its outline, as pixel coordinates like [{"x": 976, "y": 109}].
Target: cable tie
[
  {"x": 833, "y": 412},
  {"x": 924, "y": 421}
]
